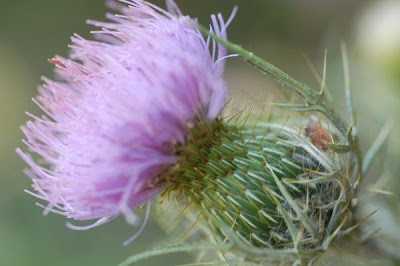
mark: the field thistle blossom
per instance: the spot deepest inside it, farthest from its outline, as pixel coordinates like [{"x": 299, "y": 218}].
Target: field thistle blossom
[
  {"x": 138, "y": 113},
  {"x": 121, "y": 107}
]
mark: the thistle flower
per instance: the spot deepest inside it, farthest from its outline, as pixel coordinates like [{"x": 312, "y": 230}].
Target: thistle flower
[
  {"x": 137, "y": 113},
  {"x": 120, "y": 107}
]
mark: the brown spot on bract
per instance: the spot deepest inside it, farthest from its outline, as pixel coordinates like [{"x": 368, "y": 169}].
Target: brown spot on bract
[{"x": 317, "y": 134}]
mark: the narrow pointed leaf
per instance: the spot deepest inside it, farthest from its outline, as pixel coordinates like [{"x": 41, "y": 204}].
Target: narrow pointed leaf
[
  {"x": 173, "y": 249},
  {"x": 346, "y": 70},
  {"x": 296, "y": 107},
  {"x": 337, "y": 147},
  {"x": 373, "y": 150}
]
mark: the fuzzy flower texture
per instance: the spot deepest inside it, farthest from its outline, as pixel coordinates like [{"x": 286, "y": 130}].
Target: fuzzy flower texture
[{"x": 119, "y": 107}]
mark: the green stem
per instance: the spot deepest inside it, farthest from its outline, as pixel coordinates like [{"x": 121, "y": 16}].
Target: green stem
[
  {"x": 264, "y": 66},
  {"x": 311, "y": 96}
]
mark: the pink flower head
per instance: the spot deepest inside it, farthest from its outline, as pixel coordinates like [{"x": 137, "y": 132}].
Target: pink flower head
[{"x": 120, "y": 105}]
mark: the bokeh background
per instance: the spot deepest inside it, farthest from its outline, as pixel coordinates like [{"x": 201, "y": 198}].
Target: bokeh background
[{"x": 282, "y": 31}]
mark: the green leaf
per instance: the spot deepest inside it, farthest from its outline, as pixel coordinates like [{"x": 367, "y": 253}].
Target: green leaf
[
  {"x": 346, "y": 71},
  {"x": 337, "y": 147},
  {"x": 373, "y": 150},
  {"x": 297, "y": 107},
  {"x": 172, "y": 249}
]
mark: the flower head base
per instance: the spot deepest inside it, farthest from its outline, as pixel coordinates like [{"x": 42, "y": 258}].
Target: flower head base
[
  {"x": 121, "y": 106},
  {"x": 247, "y": 180}
]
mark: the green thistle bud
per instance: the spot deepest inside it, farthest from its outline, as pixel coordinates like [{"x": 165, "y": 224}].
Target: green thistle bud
[{"x": 267, "y": 186}]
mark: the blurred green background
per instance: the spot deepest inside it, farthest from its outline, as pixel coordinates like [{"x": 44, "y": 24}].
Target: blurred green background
[{"x": 282, "y": 31}]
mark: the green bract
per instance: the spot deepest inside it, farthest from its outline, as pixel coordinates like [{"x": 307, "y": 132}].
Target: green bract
[{"x": 266, "y": 186}]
